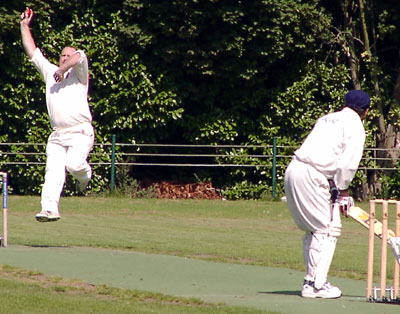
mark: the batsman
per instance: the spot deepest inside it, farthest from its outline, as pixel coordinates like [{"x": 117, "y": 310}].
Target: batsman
[{"x": 316, "y": 187}]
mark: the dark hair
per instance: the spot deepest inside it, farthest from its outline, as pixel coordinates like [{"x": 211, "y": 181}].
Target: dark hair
[{"x": 360, "y": 111}]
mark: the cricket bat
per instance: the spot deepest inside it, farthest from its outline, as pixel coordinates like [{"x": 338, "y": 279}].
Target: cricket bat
[{"x": 362, "y": 217}]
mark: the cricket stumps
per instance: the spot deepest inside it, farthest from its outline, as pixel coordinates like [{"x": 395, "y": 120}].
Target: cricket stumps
[
  {"x": 4, "y": 237},
  {"x": 372, "y": 291}
]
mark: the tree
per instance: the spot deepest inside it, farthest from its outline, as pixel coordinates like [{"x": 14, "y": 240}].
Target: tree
[
  {"x": 365, "y": 33},
  {"x": 125, "y": 98},
  {"x": 208, "y": 72}
]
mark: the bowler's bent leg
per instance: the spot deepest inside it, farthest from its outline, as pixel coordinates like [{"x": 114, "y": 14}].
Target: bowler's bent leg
[{"x": 77, "y": 155}]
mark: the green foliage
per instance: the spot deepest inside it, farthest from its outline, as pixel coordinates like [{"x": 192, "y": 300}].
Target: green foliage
[
  {"x": 390, "y": 186},
  {"x": 127, "y": 186},
  {"x": 318, "y": 90},
  {"x": 208, "y": 72},
  {"x": 222, "y": 55},
  {"x": 245, "y": 190},
  {"x": 125, "y": 98}
]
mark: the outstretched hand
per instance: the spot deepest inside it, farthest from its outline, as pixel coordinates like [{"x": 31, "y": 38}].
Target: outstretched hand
[{"x": 26, "y": 16}]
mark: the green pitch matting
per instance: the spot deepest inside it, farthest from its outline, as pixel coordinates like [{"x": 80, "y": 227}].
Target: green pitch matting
[{"x": 273, "y": 289}]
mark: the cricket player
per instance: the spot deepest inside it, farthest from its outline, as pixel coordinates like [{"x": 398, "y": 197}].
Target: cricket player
[
  {"x": 332, "y": 151},
  {"x": 72, "y": 138}
]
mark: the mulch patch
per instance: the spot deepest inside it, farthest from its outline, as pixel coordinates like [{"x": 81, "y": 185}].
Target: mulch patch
[{"x": 171, "y": 190}]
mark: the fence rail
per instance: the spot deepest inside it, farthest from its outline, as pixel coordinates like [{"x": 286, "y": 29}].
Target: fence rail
[
  {"x": 7, "y": 150},
  {"x": 176, "y": 155}
]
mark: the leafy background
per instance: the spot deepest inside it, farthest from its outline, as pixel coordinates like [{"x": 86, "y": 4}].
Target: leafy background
[{"x": 201, "y": 72}]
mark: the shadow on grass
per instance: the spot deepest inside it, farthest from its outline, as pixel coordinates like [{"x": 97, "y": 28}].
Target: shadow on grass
[
  {"x": 47, "y": 246},
  {"x": 281, "y": 292},
  {"x": 298, "y": 293}
]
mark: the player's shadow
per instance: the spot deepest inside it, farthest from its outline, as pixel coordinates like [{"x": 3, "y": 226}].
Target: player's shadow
[
  {"x": 298, "y": 293},
  {"x": 47, "y": 246},
  {"x": 281, "y": 292}
]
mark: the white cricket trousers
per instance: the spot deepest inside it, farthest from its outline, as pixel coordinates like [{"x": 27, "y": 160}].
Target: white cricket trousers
[
  {"x": 67, "y": 149},
  {"x": 308, "y": 199}
]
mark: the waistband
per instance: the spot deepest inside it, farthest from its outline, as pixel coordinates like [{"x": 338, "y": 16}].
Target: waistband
[
  {"x": 73, "y": 128},
  {"x": 311, "y": 165}
]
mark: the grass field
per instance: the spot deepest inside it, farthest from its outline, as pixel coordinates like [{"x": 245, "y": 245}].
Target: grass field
[{"x": 246, "y": 232}]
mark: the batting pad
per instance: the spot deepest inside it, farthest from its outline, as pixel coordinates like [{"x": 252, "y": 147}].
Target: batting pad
[{"x": 395, "y": 244}]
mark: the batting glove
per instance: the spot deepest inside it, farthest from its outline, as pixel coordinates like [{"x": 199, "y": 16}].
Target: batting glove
[{"x": 345, "y": 202}]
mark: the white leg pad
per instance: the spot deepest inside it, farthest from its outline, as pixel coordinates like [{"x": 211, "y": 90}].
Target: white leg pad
[
  {"x": 335, "y": 226},
  {"x": 322, "y": 249},
  {"x": 306, "y": 249}
]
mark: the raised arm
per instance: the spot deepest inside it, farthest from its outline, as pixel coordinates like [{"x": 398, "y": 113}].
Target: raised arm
[{"x": 27, "y": 39}]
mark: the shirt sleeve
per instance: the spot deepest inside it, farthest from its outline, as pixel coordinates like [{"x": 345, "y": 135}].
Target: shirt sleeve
[
  {"x": 353, "y": 139},
  {"x": 42, "y": 64},
  {"x": 82, "y": 67}
]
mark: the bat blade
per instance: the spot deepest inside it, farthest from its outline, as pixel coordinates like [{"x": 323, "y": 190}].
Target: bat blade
[{"x": 362, "y": 217}]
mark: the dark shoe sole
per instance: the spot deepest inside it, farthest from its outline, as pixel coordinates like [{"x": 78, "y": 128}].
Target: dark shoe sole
[{"x": 47, "y": 219}]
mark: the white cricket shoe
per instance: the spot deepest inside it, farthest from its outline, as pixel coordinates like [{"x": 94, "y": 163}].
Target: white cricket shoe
[
  {"x": 326, "y": 292},
  {"x": 47, "y": 216}
]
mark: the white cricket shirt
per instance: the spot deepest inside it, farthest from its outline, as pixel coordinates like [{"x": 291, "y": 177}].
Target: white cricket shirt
[
  {"x": 335, "y": 146},
  {"x": 66, "y": 101}
]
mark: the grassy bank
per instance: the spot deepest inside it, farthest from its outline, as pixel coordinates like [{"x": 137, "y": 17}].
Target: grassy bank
[
  {"x": 249, "y": 232},
  {"x": 246, "y": 232}
]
